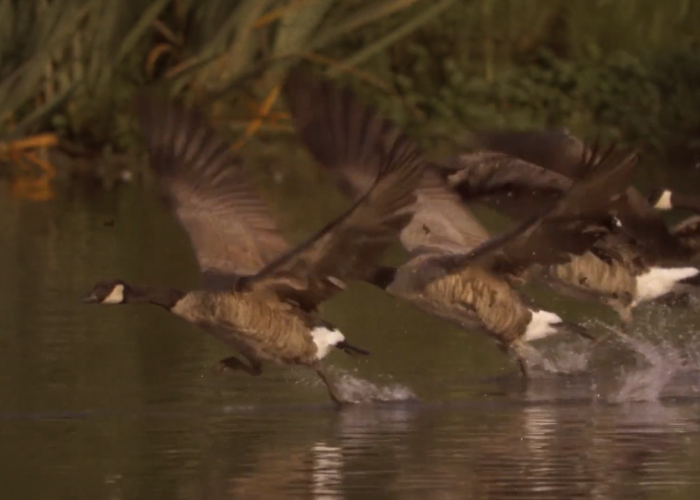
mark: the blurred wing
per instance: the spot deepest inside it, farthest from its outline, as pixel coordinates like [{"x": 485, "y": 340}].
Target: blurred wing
[
  {"x": 577, "y": 221},
  {"x": 504, "y": 183},
  {"x": 206, "y": 186},
  {"x": 656, "y": 242},
  {"x": 348, "y": 145},
  {"x": 560, "y": 151},
  {"x": 339, "y": 131},
  {"x": 556, "y": 150},
  {"x": 351, "y": 246},
  {"x": 441, "y": 222}
]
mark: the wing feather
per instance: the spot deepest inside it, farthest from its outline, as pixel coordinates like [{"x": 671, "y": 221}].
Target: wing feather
[
  {"x": 208, "y": 189},
  {"x": 576, "y": 221},
  {"x": 351, "y": 246},
  {"x": 346, "y": 145}
]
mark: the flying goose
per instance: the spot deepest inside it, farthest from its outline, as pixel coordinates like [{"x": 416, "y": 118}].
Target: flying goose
[
  {"x": 559, "y": 151},
  {"x": 257, "y": 295},
  {"x": 621, "y": 270},
  {"x": 455, "y": 271}
]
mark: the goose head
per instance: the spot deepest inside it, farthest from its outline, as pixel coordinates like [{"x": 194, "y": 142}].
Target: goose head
[
  {"x": 665, "y": 199},
  {"x": 661, "y": 199},
  {"x": 108, "y": 292}
]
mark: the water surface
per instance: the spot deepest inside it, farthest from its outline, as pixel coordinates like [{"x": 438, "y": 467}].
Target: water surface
[{"x": 122, "y": 402}]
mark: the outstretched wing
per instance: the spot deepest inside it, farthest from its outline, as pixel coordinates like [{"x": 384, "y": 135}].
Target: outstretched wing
[
  {"x": 560, "y": 151},
  {"x": 346, "y": 145},
  {"x": 504, "y": 183},
  {"x": 556, "y": 150},
  {"x": 351, "y": 246},
  {"x": 442, "y": 222},
  {"x": 206, "y": 186},
  {"x": 575, "y": 222}
]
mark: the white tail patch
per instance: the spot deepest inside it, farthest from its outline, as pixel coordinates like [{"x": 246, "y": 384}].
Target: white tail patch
[
  {"x": 664, "y": 201},
  {"x": 325, "y": 339},
  {"x": 116, "y": 296},
  {"x": 541, "y": 325},
  {"x": 658, "y": 281}
]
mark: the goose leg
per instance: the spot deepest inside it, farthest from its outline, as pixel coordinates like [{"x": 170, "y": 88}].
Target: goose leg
[
  {"x": 332, "y": 391},
  {"x": 524, "y": 369},
  {"x": 622, "y": 305},
  {"x": 233, "y": 363},
  {"x": 511, "y": 352},
  {"x": 625, "y": 319},
  {"x": 525, "y": 355}
]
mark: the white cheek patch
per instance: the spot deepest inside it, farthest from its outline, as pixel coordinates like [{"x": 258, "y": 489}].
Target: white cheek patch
[
  {"x": 664, "y": 201},
  {"x": 116, "y": 296}
]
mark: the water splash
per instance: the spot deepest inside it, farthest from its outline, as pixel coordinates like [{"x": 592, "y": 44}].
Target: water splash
[
  {"x": 658, "y": 360},
  {"x": 646, "y": 384},
  {"x": 661, "y": 358},
  {"x": 567, "y": 359},
  {"x": 358, "y": 390}
]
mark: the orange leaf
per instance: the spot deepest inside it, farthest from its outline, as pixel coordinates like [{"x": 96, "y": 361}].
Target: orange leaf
[{"x": 154, "y": 54}]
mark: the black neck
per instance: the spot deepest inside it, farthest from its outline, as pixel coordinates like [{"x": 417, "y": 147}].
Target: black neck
[
  {"x": 685, "y": 202},
  {"x": 383, "y": 277},
  {"x": 163, "y": 297}
]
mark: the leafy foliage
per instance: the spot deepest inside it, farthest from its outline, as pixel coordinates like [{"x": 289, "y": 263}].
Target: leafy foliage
[
  {"x": 627, "y": 70},
  {"x": 624, "y": 69}
]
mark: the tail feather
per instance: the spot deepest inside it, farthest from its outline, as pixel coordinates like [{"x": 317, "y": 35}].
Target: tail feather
[
  {"x": 351, "y": 349},
  {"x": 693, "y": 280}
]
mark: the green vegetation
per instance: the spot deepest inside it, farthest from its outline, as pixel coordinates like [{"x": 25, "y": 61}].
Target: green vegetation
[{"x": 629, "y": 70}]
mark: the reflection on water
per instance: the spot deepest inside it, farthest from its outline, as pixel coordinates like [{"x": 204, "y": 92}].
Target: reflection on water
[
  {"x": 327, "y": 471},
  {"x": 122, "y": 402}
]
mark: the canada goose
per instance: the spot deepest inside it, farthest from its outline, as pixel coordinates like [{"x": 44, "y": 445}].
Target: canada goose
[
  {"x": 455, "y": 271},
  {"x": 559, "y": 151},
  {"x": 620, "y": 270},
  {"x": 257, "y": 295}
]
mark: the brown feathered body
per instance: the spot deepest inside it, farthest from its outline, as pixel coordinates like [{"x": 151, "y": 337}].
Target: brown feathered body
[
  {"x": 588, "y": 277},
  {"x": 259, "y": 328},
  {"x": 472, "y": 298}
]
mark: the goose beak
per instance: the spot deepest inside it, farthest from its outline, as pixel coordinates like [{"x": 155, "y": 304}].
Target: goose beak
[{"x": 90, "y": 298}]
